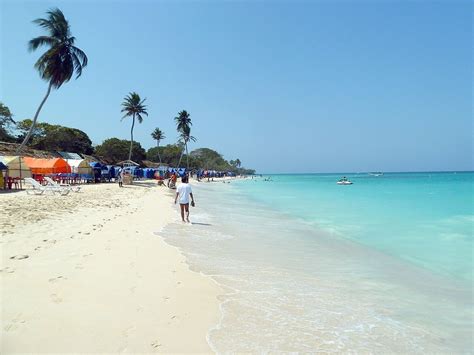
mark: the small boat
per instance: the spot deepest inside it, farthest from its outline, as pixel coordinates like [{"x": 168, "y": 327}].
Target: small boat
[
  {"x": 376, "y": 174},
  {"x": 344, "y": 181}
]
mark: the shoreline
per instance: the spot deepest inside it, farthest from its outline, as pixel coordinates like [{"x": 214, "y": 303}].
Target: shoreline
[
  {"x": 91, "y": 272},
  {"x": 221, "y": 255}
]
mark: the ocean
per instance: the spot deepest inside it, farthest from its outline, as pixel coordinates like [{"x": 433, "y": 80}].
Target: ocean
[{"x": 383, "y": 265}]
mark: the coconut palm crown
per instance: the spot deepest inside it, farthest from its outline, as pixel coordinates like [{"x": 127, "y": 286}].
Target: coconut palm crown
[
  {"x": 183, "y": 121},
  {"x": 133, "y": 107},
  {"x": 158, "y": 135},
  {"x": 60, "y": 61}
]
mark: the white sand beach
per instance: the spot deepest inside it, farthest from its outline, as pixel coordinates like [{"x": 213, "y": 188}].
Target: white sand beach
[{"x": 88, "y": 272}]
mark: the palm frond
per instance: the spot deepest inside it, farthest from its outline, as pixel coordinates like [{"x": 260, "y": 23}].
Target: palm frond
[{"x": 41, "y": 41}]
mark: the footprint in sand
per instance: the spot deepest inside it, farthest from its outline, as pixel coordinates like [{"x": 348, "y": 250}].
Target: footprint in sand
[
  {"x": 8, "y": 270},
  {"x": 55, "y": 298},
  {"x": 16, "y": 322},
  {"x": 155, "y": 344},
  {"x": 56, "y": 279},
  {"x": 19, "y": 257}
]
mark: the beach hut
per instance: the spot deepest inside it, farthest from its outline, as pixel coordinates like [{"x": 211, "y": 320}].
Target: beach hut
[
  {"x": 17, "y": 167},
  {"x": 79, "y": 166},
  {"x": 3, "y": 168},
  {"x": 112, "y": 171},
  {"x": 47, "y": 166},
  {"x": 96, "y": 170}
]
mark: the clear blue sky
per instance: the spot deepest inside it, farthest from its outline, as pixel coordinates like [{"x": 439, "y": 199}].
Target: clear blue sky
[{"x": 286, "y": 86}]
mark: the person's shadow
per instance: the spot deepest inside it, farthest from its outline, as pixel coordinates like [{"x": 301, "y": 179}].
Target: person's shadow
[{"x": 201, "y": 224}]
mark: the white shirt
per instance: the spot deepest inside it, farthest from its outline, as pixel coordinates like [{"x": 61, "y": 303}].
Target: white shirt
[{"x": 184, "y": 190}]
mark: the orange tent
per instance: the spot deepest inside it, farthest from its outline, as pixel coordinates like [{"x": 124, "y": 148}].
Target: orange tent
[{"x": 47, "y": 166}]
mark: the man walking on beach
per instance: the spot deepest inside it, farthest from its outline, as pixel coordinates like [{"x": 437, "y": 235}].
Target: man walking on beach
[{"x": 184, "y": 191}]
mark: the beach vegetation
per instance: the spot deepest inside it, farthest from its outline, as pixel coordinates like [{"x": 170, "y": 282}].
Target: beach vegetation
[
  {"x": 60, "y": 61},
  {"x": 6, "y": 124},
  {"x": 168, "y": 154},
  {"x": 158, "y": 135},
  {"x": 183, "y": 126},
  {"x": 201, "y": 158},
  {"x": 186, "y": 137},
  {"x": 114, "y": 150},
  {"x": 50, "y": 137},
  {"x": 133, "y": 106}
]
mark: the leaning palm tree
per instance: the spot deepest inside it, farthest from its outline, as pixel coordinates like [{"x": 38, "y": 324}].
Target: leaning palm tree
[
  {"x": 62, "y": 59},
  {"x": 158, "y": 135},
  {"x": 183, "y": 126},
  {"x": 133, "y": 106}
]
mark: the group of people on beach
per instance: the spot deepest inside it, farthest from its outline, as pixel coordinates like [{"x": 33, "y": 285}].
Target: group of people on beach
[{"x": 184, "y": 193}]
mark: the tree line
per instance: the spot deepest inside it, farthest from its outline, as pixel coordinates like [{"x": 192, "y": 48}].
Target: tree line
[{"x": 59, "y": 138}]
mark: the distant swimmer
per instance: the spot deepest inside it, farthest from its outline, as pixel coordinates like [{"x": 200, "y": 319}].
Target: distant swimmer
[{"x": 184, "y": 192}]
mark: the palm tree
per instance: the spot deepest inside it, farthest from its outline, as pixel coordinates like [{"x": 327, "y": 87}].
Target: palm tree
[
  {"x": 183, "y": 126},
  {"x": 62, "y": 59},
  {"x": 238, "y": 162},
  {"x": 158, "y": 135},
  {"x": 186, "y": 137},
  {"x": 133, "y": 106}
]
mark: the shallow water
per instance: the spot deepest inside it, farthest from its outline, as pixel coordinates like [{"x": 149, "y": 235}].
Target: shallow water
[{"x": 300, "y": 275}]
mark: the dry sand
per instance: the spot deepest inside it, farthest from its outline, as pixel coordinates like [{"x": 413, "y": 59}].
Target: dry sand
[{"x": 87, "y": 273}]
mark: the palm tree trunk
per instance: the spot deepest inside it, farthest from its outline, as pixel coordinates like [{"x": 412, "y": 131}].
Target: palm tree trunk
[
  {"x": 158, "y": 146},
  {"x": 131, "y": 138},
  {"x": 30, "y": 132},
  {"x": 180, "y": 157},
  {"x": 187, "y": 156}
]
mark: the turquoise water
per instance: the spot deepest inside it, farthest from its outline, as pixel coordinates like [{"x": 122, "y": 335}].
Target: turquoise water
[
  {"x": 427, "y": 218},
  {"x": 383, "y": 265}
]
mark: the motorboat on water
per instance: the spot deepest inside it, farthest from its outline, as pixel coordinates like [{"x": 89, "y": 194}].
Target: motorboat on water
[
  {"x": 344, "y": 181},
  {"x": 376, "y": 174}
]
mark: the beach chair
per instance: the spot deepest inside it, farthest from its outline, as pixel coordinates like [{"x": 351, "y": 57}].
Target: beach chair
[
  {"x": 53, "y": 183},
  {"x": 38, "y": 189}
]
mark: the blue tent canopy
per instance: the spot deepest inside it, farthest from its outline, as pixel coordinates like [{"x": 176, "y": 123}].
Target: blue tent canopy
[
  {"x": 95, "y": 165},
  {"x": 3, "y": 166},
  {"x": 138, "y": 172},
  {"x": 149, "y": 173},
  {"x": 112, "y": 171}
]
